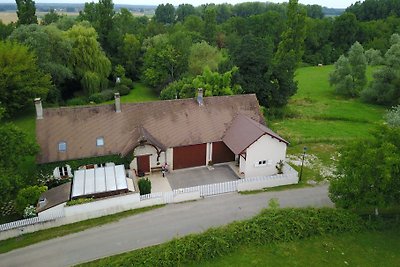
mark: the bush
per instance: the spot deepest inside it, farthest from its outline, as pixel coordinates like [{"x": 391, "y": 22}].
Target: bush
[
  {"x": 46, "y": 170},
  {"x": 79, "y": 201},
  {"x": 29, "y": 211},
  {"x": 144, "y": 186},
  {"x": 28, "y": 196},
  {"x": 77, "y": 101},
  {"x": 101, "y": 97},
  {"x": 393, "y": 116},
  {"x": 126, "y": 82},
  {"x": 122, "y": 89},
  {"x": 271, "y": 225}
]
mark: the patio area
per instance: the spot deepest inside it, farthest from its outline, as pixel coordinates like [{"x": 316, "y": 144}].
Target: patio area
[
  {"x": 191, "y": 177},
  {"x": 201, "y": 176}
]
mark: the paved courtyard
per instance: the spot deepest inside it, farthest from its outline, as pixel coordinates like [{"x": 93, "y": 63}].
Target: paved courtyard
[{"x": 201, "y": 176}]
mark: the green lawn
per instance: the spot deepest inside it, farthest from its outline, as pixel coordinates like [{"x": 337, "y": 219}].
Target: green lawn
[
  {"x": 361, "y": 249},
  {"x": 319, "y": 115},
  {"x": 322, "y": 121},
  {"x": 139, "y": 93}
]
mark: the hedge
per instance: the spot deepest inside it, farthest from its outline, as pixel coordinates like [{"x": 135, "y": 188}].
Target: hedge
[
  {"x": 271, "y": 225},
  {"x": 45, "y": 169}
]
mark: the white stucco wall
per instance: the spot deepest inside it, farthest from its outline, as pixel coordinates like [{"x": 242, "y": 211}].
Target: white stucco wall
[
  {"x": 208, "y": 153},
  {"x": 242, "y": 164},
  {"x": 104, "y": 206},
  {"x": 53, "y": 211},
  {"x": 265, "y": 148},
  {"x": 147, "y": 150},
  {"x": 169, "y": 158}
]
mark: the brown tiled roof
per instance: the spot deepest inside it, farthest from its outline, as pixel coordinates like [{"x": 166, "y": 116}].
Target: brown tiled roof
[
  {"x": 56, "y": 196},
  {"x": 171, "y": 123},
  {"x": 244, "y": 131}
]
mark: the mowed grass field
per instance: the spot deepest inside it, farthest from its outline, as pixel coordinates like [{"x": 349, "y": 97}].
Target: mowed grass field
[
  {"x": 8, "y": 17},
  {"x": 367, "y": 249},
  {"x": 323, "y": 121}
]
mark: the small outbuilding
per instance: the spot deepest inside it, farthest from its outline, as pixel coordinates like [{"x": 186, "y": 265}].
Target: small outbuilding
[{"x": 257, "y": 148}]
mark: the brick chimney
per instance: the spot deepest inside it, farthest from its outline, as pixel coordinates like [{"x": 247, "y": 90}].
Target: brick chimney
[
  {"x": 200, "y": 96},
  {"x": 39, "y": 108},
  {"x": 117, "y": 103}
]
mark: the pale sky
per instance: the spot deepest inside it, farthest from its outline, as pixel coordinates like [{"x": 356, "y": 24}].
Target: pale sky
[{"x": 327, "y": 3}]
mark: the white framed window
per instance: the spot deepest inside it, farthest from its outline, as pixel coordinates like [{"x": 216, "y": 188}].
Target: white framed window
[
  {"x": 100, "y": 141},
  {"x": 62, "y": 146}
]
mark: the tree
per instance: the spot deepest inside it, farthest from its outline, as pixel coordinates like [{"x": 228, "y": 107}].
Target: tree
[
  {"x": 20, "y": 78},
  {"x": 344, "y": 32},
  {"x": 26, "y": 12},
  {"x": 210, "y": 24},
  {"x": 385, "y": 87},
  {"x": 91, "y": 66},
  {"x": 253, "y": 56},
  {"x": 28, "y": 196},
  {"x": 349, "y": 76},
  {"x": 368, "y": 172},
  {"x": 203, "y": 55},
  {"x": 130, "y": 55},
  {"x": 373, "y": 57},
  {"x": 6, "y": 29},
  {"x": 213, "y": 83},
  {"x": 183, "y": 11},
  {"x": 100, "y": 15},
  {"x": 314, "y": 11},
  {"x": 53, "y": 50},
  {"x": 165, "y": 14},
  {"x": 50, "y": 17},
  {"x": 286, "y": 58},
  {"x": 15, "y": 147},
  {"x": 165, "y": 58}
]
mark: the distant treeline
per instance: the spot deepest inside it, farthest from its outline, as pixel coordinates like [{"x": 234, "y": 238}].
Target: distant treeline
[{"x": 70, "y": 7}]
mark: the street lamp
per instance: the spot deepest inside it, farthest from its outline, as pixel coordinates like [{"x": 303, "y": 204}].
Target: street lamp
[{"x": 302, "y": 162}]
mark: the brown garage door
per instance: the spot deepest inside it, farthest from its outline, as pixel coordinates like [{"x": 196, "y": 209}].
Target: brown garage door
[
  {"x": 221, "y": 153},
  {"x": 189, "y": 156}
]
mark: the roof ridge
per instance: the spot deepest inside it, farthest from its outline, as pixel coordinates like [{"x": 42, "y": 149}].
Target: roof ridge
[{"x": 140, "y": 103}]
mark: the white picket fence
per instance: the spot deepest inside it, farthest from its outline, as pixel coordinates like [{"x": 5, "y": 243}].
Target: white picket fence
[
  {"x": 177, "y": 195},
  {"x": 30, "y": 221},
  {"x": 290, "y": 177}
]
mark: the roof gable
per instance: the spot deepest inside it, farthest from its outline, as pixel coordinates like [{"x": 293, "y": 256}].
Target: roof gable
[{"x": 244, "y": 132}]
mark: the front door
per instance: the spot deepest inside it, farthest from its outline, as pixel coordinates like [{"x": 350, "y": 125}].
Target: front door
[{"x": 143, "y": 164}]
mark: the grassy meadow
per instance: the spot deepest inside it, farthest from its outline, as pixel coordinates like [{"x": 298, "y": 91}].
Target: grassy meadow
[
  {"x": 318, "y": 115},
  {"x": 367, "y": 249},
  {"x": 322, "y": 121}
]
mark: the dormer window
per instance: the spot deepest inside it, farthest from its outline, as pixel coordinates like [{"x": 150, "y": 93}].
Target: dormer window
[
  {"x": 62, "y": 146},
  {"x": 100, "y": 141}
]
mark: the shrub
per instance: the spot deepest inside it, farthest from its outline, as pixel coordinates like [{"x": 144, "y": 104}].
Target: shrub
[
  {"x": 79, "y": 201},
  {"x": 28, "y": 196},
  {"x": 45, "y": 171},
  {"x": 393, "y": 116},
  {"x": 102, "y": 96},
  {"x": 126, "y": 82},
  {"x": 77, "y": 101},
  {"x": 271, "y": 225},
  {"x": 122, "y": 89},
  {"x": 29, "y": 211},
  {"x": 144, "y": 186}
]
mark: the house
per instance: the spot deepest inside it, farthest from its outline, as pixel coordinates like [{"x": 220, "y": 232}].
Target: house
[{"x": 182, "y": 133}]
